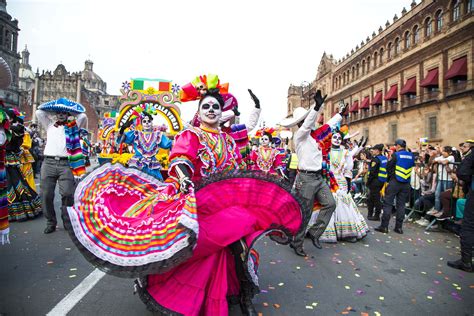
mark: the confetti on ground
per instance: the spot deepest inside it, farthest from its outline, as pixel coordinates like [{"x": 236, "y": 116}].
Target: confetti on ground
[
  {"x": 298, "y": 268},
  {"x": 471, "y": 286},
  {"x": 265, "y": 304},
  {"x": 271, "y": 288},
  {"x": 364, "y": 314},
  {"x": 67, "y": 248},
  {"x": 314, "y": 304},
  {"x": 281, "y": 284},
  {"x": 423, "y": 272},
  {"x": 379, "y": 280},
  {"x": 73, "y": 269},
  {"x": 72, "y": 276},
  {"x": 381, "y": 298},
  {"x": 429, "y": 297},
  {"x": 377, "y": 313},
  {"x": 309, "y": 286},
  {"x": 387, "y": 254},
  {"x": 402, "y": 270},
  {"x": 347, "y": 287},
  {"x": 339, "y": 277},
  {"x": 50, "y": 262},
  {"x": 309, "y": 307},
  {"x": 360, "y": 292},
  {"x": 276, "y": 305},
  {"x": 357, "y": 275}
]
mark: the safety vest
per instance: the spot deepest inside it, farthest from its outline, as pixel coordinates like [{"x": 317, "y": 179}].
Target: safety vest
[
  {"x": 405, "y": 163},
  {"x": 383, "y": 168},
  {"x": 293, "y": 162}
]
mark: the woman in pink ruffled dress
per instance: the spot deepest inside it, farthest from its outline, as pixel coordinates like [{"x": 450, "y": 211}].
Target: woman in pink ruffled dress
[
  {"x": 266, "y": 158},
  {"x": 189, "y": 240}
]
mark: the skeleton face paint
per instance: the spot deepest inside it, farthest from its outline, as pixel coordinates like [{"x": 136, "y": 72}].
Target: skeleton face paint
[
  {"x": 147, "y": 123},
  {"x": 336, "y": 139},
  {"x": 210, "y": 111},
  {"x": 264, "y": 140}
]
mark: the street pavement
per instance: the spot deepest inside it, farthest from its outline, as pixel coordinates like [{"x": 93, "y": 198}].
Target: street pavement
[{"x": 384, "y": 274}]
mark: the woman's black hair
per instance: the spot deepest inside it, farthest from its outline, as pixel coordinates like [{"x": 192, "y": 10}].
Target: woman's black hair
[
  {"x": 146, "y": 114},
  {"x": 215, "y": 94},
  {"x": 270, "y": 137}
]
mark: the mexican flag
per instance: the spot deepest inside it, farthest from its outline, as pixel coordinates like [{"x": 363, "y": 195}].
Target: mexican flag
[{"x": 151, "y": 86}]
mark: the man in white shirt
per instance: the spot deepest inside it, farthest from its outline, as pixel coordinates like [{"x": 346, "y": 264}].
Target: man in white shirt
[
  {"x": 55, "y": 167},
  {"x": 309, "y": 182},
  {"x": 444, "y": 180}
]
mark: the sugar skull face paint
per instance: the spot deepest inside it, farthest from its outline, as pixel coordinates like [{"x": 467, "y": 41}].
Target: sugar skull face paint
[
  {"x": 265, "y": 140},
  {"x": 336, "y": 140},
  {"x": 210, "y": 111}
]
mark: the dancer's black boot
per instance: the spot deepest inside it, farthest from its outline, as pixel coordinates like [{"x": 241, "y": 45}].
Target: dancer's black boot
[{"x": 239, "y": 251}]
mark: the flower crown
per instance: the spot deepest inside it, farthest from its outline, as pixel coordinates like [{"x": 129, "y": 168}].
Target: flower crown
[
  {"x": 200, "y": 85},
  {"x": 266, "y": 130}
]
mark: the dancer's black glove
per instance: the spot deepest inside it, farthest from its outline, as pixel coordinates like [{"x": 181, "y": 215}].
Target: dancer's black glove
[
  {"x": 184, "y": 178},
  {"x": 343, "y": 108},
  {"x": 365, "y": 141},
  {"x": 318, "y": 100},
  {"x": 125, "y": 126},
  {"x": 359, "y": 142},
  {"x": 255, "y": 99},
  {"x": 236, "y": 111}
]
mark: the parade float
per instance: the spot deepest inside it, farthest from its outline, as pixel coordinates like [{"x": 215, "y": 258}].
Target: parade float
[{"x": 161, "y": 98}]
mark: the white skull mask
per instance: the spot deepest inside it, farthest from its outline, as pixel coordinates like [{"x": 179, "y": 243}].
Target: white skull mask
[
  {"x": 336, "y": 140},
  {"x": 210, "y": 111},
  {"x": 265, "y": 140}
]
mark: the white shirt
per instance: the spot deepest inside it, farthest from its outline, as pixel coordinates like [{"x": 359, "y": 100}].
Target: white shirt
[
  {"x": 309, "y": 153},
  {"x": 55, "y": 136},
  {"x": 442, "y": 173}
]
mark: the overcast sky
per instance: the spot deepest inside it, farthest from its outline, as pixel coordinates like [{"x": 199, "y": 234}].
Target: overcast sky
[{"x": 262, "y": 45}]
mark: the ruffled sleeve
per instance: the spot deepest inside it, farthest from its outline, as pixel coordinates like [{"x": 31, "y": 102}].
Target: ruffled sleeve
[{"x": 185, "y": 151}]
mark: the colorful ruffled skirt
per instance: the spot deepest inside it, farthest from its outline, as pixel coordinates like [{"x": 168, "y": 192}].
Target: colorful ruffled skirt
[
  {"x": 129, "y": 224},
  {"x": 23, "y": 201}
]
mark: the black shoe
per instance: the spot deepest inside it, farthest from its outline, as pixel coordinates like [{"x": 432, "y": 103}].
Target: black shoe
[
  {"x": 49, "y": 229},
  {"x": 461, "y": 265},
  {"x": 299, "y": 251},
  {"x": 381, "y": 229},
  {"x": 246, "y": 305},
  {"x": 373, "y": 218},
  {"x": 398, "y": 230},
  {"x": 315, "y": 241}
]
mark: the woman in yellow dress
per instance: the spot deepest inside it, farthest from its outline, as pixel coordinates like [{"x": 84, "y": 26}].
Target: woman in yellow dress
[{"x": 26, "y": 160}]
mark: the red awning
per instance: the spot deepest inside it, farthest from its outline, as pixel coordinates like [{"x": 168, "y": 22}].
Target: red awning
[
  {"x": 431, "y": 79},
  {"x": 409, "y": 87},
  {"x": 321, "y": 118},
  {"x": 392, "y": 94},
  {"x": 377, "y": 100},
  {"x": 457, "y": 69},
  {"x": 355, "y": 107},
  {"x": 365, "y": 103}
]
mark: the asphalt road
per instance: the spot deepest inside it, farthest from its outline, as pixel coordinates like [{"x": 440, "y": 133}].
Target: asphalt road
[{"x": 384, "y": 274}]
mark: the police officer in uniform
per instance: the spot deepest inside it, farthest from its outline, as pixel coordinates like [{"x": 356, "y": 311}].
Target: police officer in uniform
[
  {"x": 399, "y": 171},
  {"x": 376, "y": 180}
]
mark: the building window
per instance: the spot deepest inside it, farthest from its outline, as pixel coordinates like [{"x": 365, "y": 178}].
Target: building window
[
  {"x": 432, "y": 127},
  {"x": 381, "y": 56},
  {"x": 363, "y": 67},
  {"x": 397, "y": 46},
  {"x": 368, "y": 64},
  {"x": 416, "y": 35},
  {"x": 393, "y": 129},
  {"x": 470, "y": 5},
  {"x": 456, "y": 10},
  {"x": 357, "y": 70},
  {"x": 375, "y": 60},
  {"x": 389, "y": 50},
  {"x": 353, "y": 72},
  {"x": 407, "y": 40},
  {"x": 428, "y": 27},
  {"x": 365, "y": 132},
  {"x": 439, "y": 20}
]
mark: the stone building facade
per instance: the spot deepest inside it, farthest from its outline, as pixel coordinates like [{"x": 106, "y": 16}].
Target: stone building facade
[
  {"x": 8, "y": 51},
  {"x": 85, "y": 87},
  {"x": 411, "y": 79}
]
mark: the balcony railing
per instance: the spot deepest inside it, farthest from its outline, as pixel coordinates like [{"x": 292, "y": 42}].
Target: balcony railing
[{"x": 455, "y": 87}]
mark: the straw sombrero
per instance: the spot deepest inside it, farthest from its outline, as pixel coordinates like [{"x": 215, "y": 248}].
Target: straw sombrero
[
  {"x": 5, "y": 74},
  {"x": 299, "y": 114}
]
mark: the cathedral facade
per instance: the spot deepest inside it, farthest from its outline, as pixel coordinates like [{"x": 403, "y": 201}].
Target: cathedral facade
[{"x": 411, "y": 79}]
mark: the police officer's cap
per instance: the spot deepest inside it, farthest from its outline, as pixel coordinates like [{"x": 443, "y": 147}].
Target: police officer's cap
[
  {"x": 378, "y": 147},
  {"x": 401, "y": 142}
]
